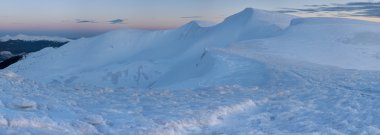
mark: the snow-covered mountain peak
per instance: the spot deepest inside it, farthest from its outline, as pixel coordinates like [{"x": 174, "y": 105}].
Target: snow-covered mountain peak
[
  {"x": 33, "y": 38},
  {"x": 247, "y": 12},
  {"x": 155, "y": 56},
  {"x": 197, "y": 24},
  {"x": 244, "y": 15},
  {"x": 201, "y": 23},
  {"x": 243, "y": 76},
  {"x": 143, "y": 58},
  {"x": 204, "y": 23},
  {"x": 250, "y": 16},
  {"x": 192, "y": 24}
]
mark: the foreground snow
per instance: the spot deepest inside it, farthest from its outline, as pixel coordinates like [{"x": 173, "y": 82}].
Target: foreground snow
[
  {"x": 257, "y": 72},
  {"x": 312, "y": 99}
]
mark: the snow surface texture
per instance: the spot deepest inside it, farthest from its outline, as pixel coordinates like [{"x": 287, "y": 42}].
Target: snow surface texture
[
  {"x": 257, "y": 72},
  {"x": 33, "y": 38},
  {"x": 5, "y": 55},
  {"x": 182, "y": 57}
]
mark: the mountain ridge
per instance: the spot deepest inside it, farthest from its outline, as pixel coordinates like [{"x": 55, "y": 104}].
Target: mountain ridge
[{"x": 184, "y": 57}]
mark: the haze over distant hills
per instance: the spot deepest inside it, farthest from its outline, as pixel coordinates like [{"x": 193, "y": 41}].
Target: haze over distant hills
[
  {"x": 11, "y": 46},
  {"x": 25, "y": 44}
]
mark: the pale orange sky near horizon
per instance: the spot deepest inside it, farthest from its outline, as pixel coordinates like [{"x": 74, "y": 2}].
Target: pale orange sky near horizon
[
  {"x": 366, "y": 19},
  {"x": 96, "y": 16}
]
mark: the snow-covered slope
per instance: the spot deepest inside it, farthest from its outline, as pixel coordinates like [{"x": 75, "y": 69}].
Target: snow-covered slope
[
  {"x": 204, "y": 23},
  {"x": 305, "y": 99},
  {"x": 138, "y": 58},
  {"x": 201, "y": 56},
  {"x": 194, "y": 56},
  {"x": 348, "y": 44},
  {"x": 257, "y": 72},
  {"x": 33, "y": 38}
]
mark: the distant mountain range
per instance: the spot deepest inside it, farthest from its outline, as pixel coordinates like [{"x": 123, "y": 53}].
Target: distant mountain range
[
  {"x": 11, "y": 46},
  {"x": 34, "y": 38}
]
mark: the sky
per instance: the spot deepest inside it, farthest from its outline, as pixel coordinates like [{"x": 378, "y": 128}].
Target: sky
[{"x": 81, "y": 18}]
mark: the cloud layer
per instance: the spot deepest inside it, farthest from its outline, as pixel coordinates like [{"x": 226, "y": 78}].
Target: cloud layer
[
  {"x": 365, "y": 9},
  {"x": 116, "y": 21},
  {"x": 85, "y": 21}
]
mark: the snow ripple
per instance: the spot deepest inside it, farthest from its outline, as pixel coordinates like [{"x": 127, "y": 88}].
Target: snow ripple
[{"x": 208, "y": 119}]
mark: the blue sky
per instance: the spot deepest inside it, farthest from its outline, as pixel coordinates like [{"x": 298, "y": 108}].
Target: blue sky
[{"x": 90, "y": 17}]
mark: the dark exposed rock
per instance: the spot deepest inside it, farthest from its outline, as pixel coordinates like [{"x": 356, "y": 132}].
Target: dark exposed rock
[
  {"x": 10, "y": 61},
  {"x": 14, "y": 50}
]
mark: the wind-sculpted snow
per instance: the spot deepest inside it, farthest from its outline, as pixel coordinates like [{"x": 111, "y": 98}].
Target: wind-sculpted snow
[
  {"x": 257, "y": 72},
  {"x": 312, "y": 99},
  {"x": 144, "y": 59},
  {"x": 348, "y": 44}
]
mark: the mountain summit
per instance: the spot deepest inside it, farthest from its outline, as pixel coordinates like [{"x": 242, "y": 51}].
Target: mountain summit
[
  {"x": 183, "y": 57},
  {"x": 249, "y": 16},
  {"x": 254, "y": 73}
]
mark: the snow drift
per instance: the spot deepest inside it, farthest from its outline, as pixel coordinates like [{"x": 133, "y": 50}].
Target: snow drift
[{"x": 344, "y": 43}]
